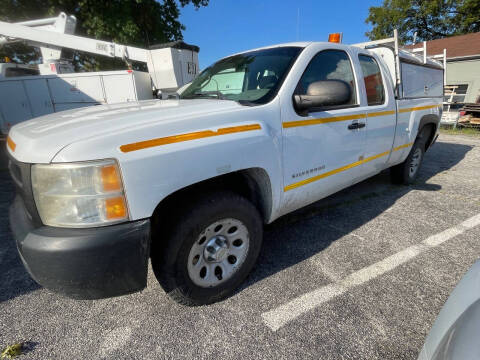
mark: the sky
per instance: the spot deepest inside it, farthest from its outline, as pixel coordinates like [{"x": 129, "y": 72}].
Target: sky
[{"x": 226, "y": 27}]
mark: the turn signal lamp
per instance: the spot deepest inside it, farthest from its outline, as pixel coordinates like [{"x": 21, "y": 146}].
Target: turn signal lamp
[
  {"x": 115, "y": 208},
  {"x": 11, "y": 144},
  {"x": 335, "y": 38},
  {"x": 111, "y": 178}
]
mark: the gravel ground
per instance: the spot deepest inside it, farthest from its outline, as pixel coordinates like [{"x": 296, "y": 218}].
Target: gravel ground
[{"x": 386, "y": 317}]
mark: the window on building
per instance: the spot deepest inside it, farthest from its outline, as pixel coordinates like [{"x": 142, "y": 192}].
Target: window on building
[{"x": 455, "y": 93}]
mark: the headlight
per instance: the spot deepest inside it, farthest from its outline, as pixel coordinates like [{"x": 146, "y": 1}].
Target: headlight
[{"x": 79, "y": 194}]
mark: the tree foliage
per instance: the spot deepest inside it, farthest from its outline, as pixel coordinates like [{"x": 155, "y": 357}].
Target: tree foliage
[
  {"x": 131, "y": 22},
  {"x": 431, "y": 19}
]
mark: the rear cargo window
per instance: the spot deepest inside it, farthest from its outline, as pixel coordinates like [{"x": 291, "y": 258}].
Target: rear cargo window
[{"x": 373, "y": 80}]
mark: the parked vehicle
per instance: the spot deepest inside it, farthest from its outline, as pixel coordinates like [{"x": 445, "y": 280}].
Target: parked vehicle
[
  {"x": 190, "y": 182},
  {"x": 29, "y": 91},
  {"x": 454, "y": 335}
]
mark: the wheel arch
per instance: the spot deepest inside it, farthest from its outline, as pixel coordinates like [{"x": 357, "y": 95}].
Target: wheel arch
[
  {"x": 430, "y": 120},
  {"x": 252, "y": 183}
]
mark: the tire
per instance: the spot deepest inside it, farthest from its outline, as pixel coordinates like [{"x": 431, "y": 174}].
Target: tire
[
  {"x": 407, "y": 172},
  {"x": 218, "y": 236}
]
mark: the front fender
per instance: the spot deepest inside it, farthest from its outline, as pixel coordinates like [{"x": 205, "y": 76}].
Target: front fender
[
  {"x": 150, "y": 175},
  {"x": 166, "y": 155}
]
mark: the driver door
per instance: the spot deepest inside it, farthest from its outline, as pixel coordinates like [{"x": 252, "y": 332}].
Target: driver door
[{"x": 323, "y": 148}]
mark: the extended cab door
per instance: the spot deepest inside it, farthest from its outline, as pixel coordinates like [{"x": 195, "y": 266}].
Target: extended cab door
[
  {"x": 378, "y": 97},
  {"x": 322, "y": 150}
]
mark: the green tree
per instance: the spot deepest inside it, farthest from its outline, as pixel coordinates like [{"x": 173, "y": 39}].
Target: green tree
[
  {"x": 131, "y": 22},
  {"x": 431, "y": 19}
]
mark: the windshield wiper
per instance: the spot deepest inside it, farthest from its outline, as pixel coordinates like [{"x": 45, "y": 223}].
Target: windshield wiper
[
  {"x": 209, "y": 94},
  {"x": 247, "y": 103}
]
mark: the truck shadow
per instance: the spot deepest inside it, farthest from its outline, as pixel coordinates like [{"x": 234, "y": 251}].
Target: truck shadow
[
  {"x": 288, "y": 241},
  {"x": 297, "y": 237}
]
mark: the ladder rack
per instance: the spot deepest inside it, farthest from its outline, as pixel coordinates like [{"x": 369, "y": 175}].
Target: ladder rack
[{"x": 403, "y": 52}]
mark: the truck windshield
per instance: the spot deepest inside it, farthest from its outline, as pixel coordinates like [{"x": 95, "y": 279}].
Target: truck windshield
[{"x": 249, "y": 78}]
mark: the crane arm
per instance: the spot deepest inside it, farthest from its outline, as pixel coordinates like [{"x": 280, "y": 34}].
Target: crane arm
[
  {"x": 37, "y": 37},
  {"x": 170, "y": 65}
]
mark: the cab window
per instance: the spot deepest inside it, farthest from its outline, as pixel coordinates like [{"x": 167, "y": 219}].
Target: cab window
[
  {"x": 373, "y": 80},
  {"x": 329, "y": 65}
]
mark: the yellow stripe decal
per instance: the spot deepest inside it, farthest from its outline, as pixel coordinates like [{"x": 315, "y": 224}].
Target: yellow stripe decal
[
  {"x": 296, "y": 123},
  {"x": 381, "y": 113},
  {"x": 343, "y": 168},
  {"x": 11, "y": 144},
  {"x": 187, "y": 137},
  {"x": 417, "y": 108},
  {"x": 402, "y": 146},
  {"x": 290, "y": 124}
]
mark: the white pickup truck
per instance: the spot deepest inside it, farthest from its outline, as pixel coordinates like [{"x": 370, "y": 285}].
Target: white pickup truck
[{"x": 189, "y": 182}]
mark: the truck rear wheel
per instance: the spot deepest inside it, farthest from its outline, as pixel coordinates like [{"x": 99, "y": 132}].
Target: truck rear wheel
[
  {"x": 407, "y": 172},
  {"x": 210, "y": 249}
]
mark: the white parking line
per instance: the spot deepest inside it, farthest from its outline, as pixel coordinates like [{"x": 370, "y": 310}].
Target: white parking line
[{"x": 280, "y": 316}]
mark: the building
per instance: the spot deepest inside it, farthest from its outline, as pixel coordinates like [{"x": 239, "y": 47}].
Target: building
[{"x": 463, "y": 65}]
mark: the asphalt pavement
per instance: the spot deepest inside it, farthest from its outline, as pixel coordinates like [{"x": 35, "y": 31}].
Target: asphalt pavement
[{"x": 335, "y": 280}]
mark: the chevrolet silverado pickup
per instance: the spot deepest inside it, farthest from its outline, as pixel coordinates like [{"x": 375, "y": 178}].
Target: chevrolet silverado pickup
[{"x": 188, "y": 183}]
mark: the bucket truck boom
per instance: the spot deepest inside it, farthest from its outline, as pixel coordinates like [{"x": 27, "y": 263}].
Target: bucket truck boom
[{"x": 58, "y": 88}]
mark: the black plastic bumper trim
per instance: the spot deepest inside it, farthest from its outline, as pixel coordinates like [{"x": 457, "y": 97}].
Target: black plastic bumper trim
[{"x": 90, "y": 263}]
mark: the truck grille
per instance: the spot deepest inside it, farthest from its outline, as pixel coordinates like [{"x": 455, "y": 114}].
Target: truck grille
[{"x": 21, "y": 176}]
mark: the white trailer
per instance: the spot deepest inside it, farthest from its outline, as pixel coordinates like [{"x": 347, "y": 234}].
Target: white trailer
[
  {"x": 26, "y": 97},
  {"x": 57, "y": 88}
]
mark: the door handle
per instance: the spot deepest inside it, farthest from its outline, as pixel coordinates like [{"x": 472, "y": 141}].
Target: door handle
[{"x": 356, "y": 125}]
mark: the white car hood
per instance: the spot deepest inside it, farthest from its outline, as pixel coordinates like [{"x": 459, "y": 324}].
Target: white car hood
[{"x": 40, "y": 139}]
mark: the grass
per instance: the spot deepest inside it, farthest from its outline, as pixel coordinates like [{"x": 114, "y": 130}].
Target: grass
[
  {"x": 475, "y": 132},
  {"x": 18, "y": 349},
  {"x": 12, "y": 351}
]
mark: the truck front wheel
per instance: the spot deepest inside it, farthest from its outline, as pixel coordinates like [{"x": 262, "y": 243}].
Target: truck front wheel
[{"x": 212, "y": 246}]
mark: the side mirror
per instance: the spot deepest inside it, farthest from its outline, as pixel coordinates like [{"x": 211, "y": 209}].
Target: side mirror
[{"x": 322, "y": 94}]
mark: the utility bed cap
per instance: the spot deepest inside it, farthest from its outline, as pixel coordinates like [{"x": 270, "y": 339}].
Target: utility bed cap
[{"x": 176, "y": 45}]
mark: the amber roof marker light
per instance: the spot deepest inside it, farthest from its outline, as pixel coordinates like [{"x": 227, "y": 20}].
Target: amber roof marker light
[{"x": 335, "y": 37}]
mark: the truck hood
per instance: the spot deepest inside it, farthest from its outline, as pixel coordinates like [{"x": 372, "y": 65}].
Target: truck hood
[{"x": 40, "y": 139}]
